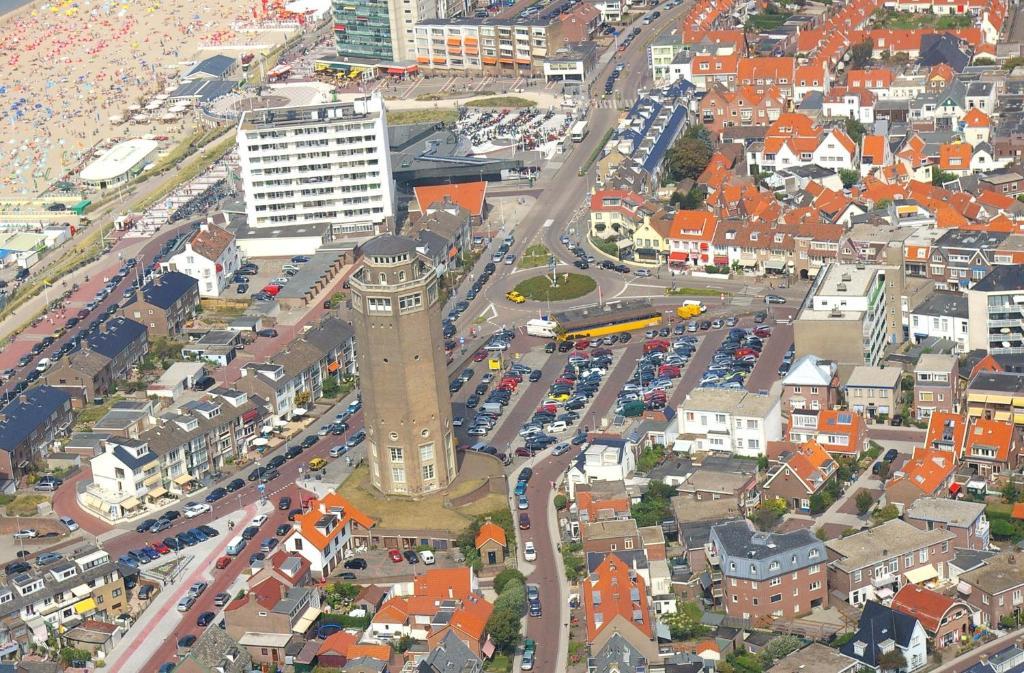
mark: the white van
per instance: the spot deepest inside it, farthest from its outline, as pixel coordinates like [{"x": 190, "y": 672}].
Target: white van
[
  {"x": 236, "y": 546},
  {"x": 427, "y": 557},
  {"x": 259, "y": 520},
  {"x": 43, "y": 365},
  {"x": 697, "y": 303}
]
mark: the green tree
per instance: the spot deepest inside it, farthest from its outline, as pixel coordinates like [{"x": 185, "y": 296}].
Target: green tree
[
  {"x": 817, "y": 503},
  {"x": 1010, "y": 492},
  {"x": 692, "y": 200},
  {"x": 762, "y": 463},
  {"x": 893, "y": 660},
  {"x": 864, "y": 501},
  {"x": 505, "y": 623},
  {"x": 778, "y": 648},
  {"x": 1003, "y": 529},
  {"x": 330, "y": 387},
  {"x": 687, "y": 158},
  {"x": 983, "y": 61},
  {"x": 940, "y": 178},
  {"x": 1011, "y": 63},
  {"x": 560, "y": 502},
  {"x": 572, "y": 559},
  {"x": 856, "y": 131},
  {"x": 860, "y": 54},
  {"x": 341, "y": 593},
  {"x": 655, "y": 504},
  {"x": 849, "y": 177},
  {"x": 887, "y": 513},
  {"x": 650, "y": 458},
  {"x": 403, "y": 644},
  {"x": 505, "y": 576},
  {"x": 684, "y": 623}
]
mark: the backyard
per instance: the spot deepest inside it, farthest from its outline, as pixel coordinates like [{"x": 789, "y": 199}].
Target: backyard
[{"x": 885, "y": 18}]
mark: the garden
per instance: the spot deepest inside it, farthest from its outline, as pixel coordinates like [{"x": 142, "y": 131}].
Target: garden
[{"x": 566, "y": 286}]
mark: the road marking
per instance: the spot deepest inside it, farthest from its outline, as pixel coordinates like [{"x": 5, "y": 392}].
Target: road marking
[{"x": 548, "y": 223}]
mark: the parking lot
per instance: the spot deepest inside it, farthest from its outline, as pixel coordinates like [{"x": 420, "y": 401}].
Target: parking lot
[{"x": 526, "y": 128}]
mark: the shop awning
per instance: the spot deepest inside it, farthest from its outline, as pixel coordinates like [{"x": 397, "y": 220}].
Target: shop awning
[
  {"x": 954, "y": 488},
  {"x": 81, "y": 607},
  {"x": 130, "y": 503},
  {"x": 748, "y": 262},
  {"x": 813, "y": 271},
  {"x": 884, "y": 592},
  {"x": 623, "y": 243},
  {"x": 90, "y": 500},
  {"x": 488, "y": 649},
  {"x": 250, "y": 416},
  {"x": 299, "y": 411},
  {"x": 775, "y": 264},
  {"x": 183, "y": 479},
  {"x": 152, "y": 479},
  {"x": 306, "y": 620},
  {"x": 157, "y": 492},
  {"x": 81, "y": 590},
  {"x": 922, "y": 574},
  {"x": 678, "y": 256}
]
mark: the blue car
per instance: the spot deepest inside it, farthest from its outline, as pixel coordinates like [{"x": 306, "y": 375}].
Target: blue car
[
  {"x": 186, "y": 539},
  {"x": 198, "y": 534},
  {"x": 148, "y": 552},
  {"x": 520, "y": 488},
  {"x": 216, "y": 494},
  {"x": 129, "y": 559}
]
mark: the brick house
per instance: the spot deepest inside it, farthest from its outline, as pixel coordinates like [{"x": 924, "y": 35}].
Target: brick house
[
  {"x": 85, "y": 375},
  {"x": 271, "y": 609},
  {"x": 996, "y": 589},
  {"x": 469, "y": 624},
  {"x": 768, "y": 575},
  {"x": 798, "y": 474},
  {"x": 928, "y": 473},
  {"x": 122, "y": 340},
  {"x": 966, "y": 520},
  {"x": 839, "y": 432},
  {"x": 324, "y": 532},
  {"x": 610, "y": 535},
  {"x": 492, "y": 544},
  {"x": 935, "y": 385},
  {"x": 811, "y": 383},
  {"x": 166, "y": 304},
  {"x": 990, "y": 447},
  {"x": 945, "y": 619},
  {"x": 28, "y": 424},
  {"x": 615, "y": 601},
  {"x": 877, "y": 562},
  {"x": 874, "y": 390},
  {"x": 721, "y": 108}
]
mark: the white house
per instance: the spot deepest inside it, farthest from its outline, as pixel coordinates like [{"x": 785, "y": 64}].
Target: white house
[
  {"x": 211, "y": 256},
  {"x": 836, "y": 150},
  {"x": 606, "y": 459},
  {"x": 729, "y": 420},
  {"x": 123, "y": 477},
  {"x": 943, "y": 315},
  {"x": 323, "y": 533},
  {"x": 881, "y": 630},
  {"x": 847, "y": 103}
]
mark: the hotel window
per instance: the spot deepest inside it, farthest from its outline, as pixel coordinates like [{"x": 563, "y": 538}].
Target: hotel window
[
  {"x": 409, "y": 302},
  {"x": 379, "y": 304},
  {"x": 398, "y": 475},
  {"x": 428, "y": 471},
  {"x": 922, "y": 555},
  {"x": 775, "y": 581},
  {"x": 908, "y": 561},
  {"x": 396, "y": 454},
  {"x": 858, "y": 576}
]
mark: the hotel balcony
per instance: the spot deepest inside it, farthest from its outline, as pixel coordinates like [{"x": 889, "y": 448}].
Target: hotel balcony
[
  {"x": 885, "y": 579},
  {"x": 711, "y": 553}
]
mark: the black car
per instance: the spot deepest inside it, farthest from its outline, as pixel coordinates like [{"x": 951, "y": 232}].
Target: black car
[
  {"x": 145, "y": 526},
  {"x": 17, "y": 567},
  {"x": 284, "y": 503},
  {"x": 760, "y": 317},
  {"x": 891, "y": 455},
  {"x": 205, "y": 619},
  {"x": 294, "y": 513},
  {"x": 347, "y": 576},
  {"x": 308, "y": 441},
  {"x": 216, "y": 494},
  {"x": 269, "y": 475},
  {"x": 356, "y": 564},
  {"x": 550, "y": 347},
  {"x": 209, "y": 531},
  {"x": 170, "y": 515},
  {"x": 293, "y": 451},
  {"x": 187, "y": 641},
  {"x": 411, "y": 557},
  {"x": 250, "y": 532},
  {"x": 535, "y": 375},
  {"x": 234, "y": 485},
  {"x": 282, "y": 529},
  {"x": 276, "y": 462},
  {"x": 173, "y": 543},
  {"x": 256, "y": 474}
]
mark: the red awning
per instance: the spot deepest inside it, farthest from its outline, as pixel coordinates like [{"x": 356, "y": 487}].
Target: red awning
[
  {"x": 954, "y": 488},
  {"x": 678, "y": 257},
  {"x": 453, "y": 252},
  {"x": 250, "y": 416},
  {"x": 721, "y": 259},
  {"x": 333, "y": 366}
]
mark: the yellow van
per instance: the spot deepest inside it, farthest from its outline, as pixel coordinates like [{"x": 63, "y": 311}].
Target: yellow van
[{"x": 317, "y": 464}]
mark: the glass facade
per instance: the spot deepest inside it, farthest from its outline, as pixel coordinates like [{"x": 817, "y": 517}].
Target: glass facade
[{"x": 362, "y": 29}]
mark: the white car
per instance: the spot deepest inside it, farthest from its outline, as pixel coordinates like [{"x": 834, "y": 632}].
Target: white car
[
  {"x": 529, "y": 551},
  {"x": 557, "y": 426},
  {"x": 259, "y": 520},
  {"x": 25, "y": 534},
  {"x": 196, "y": 510},
  {"x": 71, "y": 524},
  {"x": 642, "y": 273}
]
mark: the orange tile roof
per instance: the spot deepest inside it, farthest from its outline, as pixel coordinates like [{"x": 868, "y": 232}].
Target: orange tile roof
[
  {"x": 585, "y": 502},
  {"x": 716, "y": 65},
  {"x": 872, "y": 78},
  {"x": 469, "y": 195},
  {"x": 943, "y": 423},
  {"x": 941, "y": 71},
  {"x": 929, "y": 469},
  {"x": 471, "y": 618},
  {"x": 812, "y": 464},
  {"x": 955, "y": 156},
  {"x": 378, "y": 652},
  {"x": 975, "y": 118},
  {"x": 395, "y": 610},
  {"x": 490, "y": 531},
  {"x": 338, "y": 643},
  {"x": 211, "y": 242},
  {"x": 693, "y": 225},
  {"x": 874, "y": 147},
  {"x": 307, "y": 521},
  {"x": 444, "y": 583},
  {"x": 606, "y": 595},
  {"x": 766, "y": 68},
  {"x": 925, "y": 605},
  {"x": 987, "y": 197},
  {"x": 268, "y": 592},
  {"x": 831, "y": 421},
  {"x": 990, "y": 434}
]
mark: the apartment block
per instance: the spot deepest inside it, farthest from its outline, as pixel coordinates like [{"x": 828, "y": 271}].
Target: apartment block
[
  {"x": 875, "y": 563},
  {"x": 996, "y": 589},
  {"x": 322, "y": 165},
  {"x": 768, "y": 574},
  {"x": 995, "y": 308},
  {"x": 936, "y": 385},
  {"x": 731, "y": 421},
  {"x": 966, "y": 520},
  {"x": 850, "y": 314}
]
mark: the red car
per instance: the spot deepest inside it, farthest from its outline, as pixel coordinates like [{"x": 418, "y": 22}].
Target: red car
[
  {"x": 524, "y": 452},
  {"x": 659, "y": 345},
  {"x": 272, "y": 290},
  {"x": 671, "y": 371},
  {"x": 223, "y": 562},
  {"x": 524, "y": 521},
  {"x": 762, "y": 332},
  {"x": 547, "y": 409},
  {"x": 395, "y": 555},
  {"x": 480, "y": 355},
  {"x": 161, "y": 548},
  {"x": 582, "y": 345},
  {"x": 743, "y": 352}
]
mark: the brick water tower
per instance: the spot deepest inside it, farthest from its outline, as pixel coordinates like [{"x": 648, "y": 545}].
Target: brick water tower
[{"x": 402, "y": 370}]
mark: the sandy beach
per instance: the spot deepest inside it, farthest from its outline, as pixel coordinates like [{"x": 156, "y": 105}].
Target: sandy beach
[{"x": 67, "y": 68}]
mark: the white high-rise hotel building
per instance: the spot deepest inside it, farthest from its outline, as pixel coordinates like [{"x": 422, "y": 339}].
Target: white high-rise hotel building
[{"x": 316, "y": 165}]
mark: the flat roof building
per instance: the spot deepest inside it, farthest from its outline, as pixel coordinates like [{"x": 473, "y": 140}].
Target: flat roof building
[{"x": 120, "y": 163}]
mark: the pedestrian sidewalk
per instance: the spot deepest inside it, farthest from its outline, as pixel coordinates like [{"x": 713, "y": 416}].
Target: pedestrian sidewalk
[{"x": 160, "y": 619}]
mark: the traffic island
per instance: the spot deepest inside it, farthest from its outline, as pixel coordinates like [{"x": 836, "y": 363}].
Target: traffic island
[{"x": 566, "y": 286}]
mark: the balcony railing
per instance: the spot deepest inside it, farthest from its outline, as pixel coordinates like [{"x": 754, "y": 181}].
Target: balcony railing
[{"x": 884, "y": 579}]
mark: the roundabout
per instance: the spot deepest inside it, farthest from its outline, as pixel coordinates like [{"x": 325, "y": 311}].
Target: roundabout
[{"x": 567, "y": 286}]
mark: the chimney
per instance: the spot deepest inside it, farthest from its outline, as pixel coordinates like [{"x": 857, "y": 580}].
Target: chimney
[
  {"x": 284, "y": 591},
  {"x": 451, "y": 593}
]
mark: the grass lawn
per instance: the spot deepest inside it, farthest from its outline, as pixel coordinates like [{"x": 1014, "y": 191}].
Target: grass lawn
[
  {"x": 93, "y": 413},
  {"x": 398, "y": 512},
  {"x": 500, "y": 663},
  {"x": 501, "y": 101},
  {"x": 915, "y": 20},
  {"x": 694, "y": 292},
  {"x": 569, "y": 286},
  {"x": 535, "y": 255},
  {"x": 398, "y": 117},
  {"x": 760, "y": 22},
  {"x": 26, "y": 505}
]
